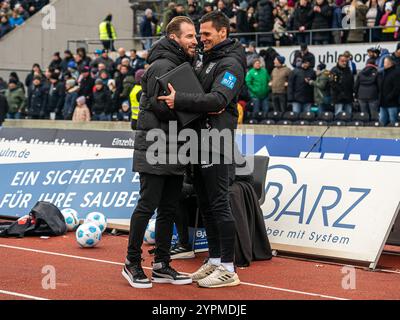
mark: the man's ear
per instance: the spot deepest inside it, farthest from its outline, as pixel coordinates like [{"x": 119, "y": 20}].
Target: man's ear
[
  {"x": 223, "y": 33},
  {"x": 172, "y": 36}
]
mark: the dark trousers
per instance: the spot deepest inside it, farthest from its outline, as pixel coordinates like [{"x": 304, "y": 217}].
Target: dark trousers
[
  {"x": 108, "y": 45},
  {"x": 279, "y": 101},
  {"x": 161, "y": 193},
  {"x": 211, "y": 183}
]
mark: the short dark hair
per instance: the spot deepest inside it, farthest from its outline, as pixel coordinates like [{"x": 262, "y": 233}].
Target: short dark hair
[
  {"x": 219, "y": 20},
  {"x": 174, "y": 27}
]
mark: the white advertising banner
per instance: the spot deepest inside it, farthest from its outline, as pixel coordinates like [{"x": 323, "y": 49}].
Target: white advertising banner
[
  {"x": 331, "y": 208},
  {"x": 329, "y": 54}
]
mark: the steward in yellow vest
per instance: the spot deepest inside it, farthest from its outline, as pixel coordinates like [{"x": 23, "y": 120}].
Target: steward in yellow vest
[{"x": 107, "y": 33}]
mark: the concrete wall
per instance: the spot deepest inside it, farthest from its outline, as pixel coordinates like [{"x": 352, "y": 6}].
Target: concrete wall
[
  {"x": 75, "y": 19},
  {"x": 351, "y": 132}
]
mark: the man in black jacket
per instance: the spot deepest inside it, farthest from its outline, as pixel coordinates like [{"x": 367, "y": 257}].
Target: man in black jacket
[
  {"x": 301, "y": 21},
  {"x": 86, "y": 84},
  {"x": 342, "y": 85},
  {"x": 56, "y": 96},
  {"x": 300, "y": 92},
  {"x": 37, "y": 99},
  {"x": 389, "y": 92},
  {"x": 221, "y": 73},
  {"x": 366, "y": 88},
  {"x": 160, "y": 183}
]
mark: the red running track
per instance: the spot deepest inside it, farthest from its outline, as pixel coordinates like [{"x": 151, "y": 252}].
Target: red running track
[{"x": 95, "y": 274}]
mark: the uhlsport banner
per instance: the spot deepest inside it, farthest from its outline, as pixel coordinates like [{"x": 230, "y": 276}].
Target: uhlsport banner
[{"x": 331, "y": 208}]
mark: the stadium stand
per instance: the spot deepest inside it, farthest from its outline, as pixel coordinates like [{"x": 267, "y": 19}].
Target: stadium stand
[{"x": 302, "y": 91}]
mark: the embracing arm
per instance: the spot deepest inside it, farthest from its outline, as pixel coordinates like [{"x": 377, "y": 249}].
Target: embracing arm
[{"x": 225, "y": 88}]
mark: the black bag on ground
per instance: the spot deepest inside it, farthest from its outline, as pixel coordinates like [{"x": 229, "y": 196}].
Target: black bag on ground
[{"x": 45, "y": 219}]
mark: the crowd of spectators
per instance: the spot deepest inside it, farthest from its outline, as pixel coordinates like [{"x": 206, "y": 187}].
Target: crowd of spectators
[
  {"x": 14, "y": 13},
  {"x": 82, "y": 88},
  {"x": 301, "y": 91},
  {"x": 289, "y": 22},
  {"x": 104, "y": 86},
  {"x": 77, "y": 87}
]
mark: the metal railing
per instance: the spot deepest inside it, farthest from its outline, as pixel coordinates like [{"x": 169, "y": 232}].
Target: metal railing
[{"x": 258, "y": 37}]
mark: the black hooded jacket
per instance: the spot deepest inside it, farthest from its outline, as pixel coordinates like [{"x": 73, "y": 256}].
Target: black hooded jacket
[
  {"x": 366, "y": 86},
  {"x": 221, "y": 74},
  {"x": 164, "y": 56}
]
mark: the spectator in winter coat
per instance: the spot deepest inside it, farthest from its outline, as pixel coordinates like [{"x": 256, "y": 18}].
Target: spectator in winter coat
[
  {"x": 37, "y": 99},
  {"x": 56, "y": 61},
  {"x": 389, "y": 92},
  {"x": 102, "y": 104},
  {"x": 81, "y": 112},
  {"x": 106, "y": 61},
  {"x": 279, "y": 83},
  {"x": 257, "y": 80},
  {"x": 84, "y": 59},
  {"x": 16, "y": 100},
  {"x": 136, "y": 62},
  {"x": 322, "y": 94},
  {"x": 16, "y": 19},
  {"x": 146, "y": 27},
  {"x": 14, "y": 76},
  {"x": 36, "y": 71},
  {"x": 265, "y": 17},
  {"x": 321, "y": 16},
  {"x": 358, "y": 10},
  {"x": 5, "y": 26},
  {"x": 68, "y": 57},
  {"x": 301, "y": 22},
  {"x": 366, "y": 88},
  {"x": 252, "y": 55},
  {"x": 115, "y": 96},
  {"x": 221, "y": 6},
  {"x": 269, "y": 56},
  {"x": 352, "y": 65},
  {"x": 303, "y": 53},
  {"x": 300, "y": 92},
  {"x": 86, "y": 84},
  {"x": 342, "y": 84},
  {"x": 70, "y": 99},
  {"x": 242, "y": 23},
  {"x": 56, "y": 96},
  {"x": 168, "y": 14},
  {"x": 127, "y": 84}
]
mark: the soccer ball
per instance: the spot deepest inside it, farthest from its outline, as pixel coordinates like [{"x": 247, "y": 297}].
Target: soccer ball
[
  {"x": 97, "y": 218},
  {"x": 71, "y": 218},
  {"x": 88, "y": 235},
  {"x": 150, "y": 234}
]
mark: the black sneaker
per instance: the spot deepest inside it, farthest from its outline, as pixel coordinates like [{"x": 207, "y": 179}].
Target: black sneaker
[
  {"x": 135, "y": 275},
  {"x": 181, "y": 252},
  {"x": 163, "y": 273}
]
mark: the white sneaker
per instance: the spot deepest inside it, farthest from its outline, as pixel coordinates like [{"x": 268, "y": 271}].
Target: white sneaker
[
  {"x": 220, "y": 278},
  {"x": 205, "y": 270}
]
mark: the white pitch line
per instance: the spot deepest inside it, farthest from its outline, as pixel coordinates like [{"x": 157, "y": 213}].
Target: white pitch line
[
  {"x": 293, "y": 291},
  {"x": 121, "y": 264},
  {"x": 21, "y": 295}
]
